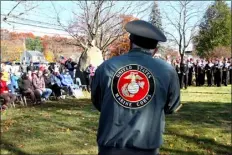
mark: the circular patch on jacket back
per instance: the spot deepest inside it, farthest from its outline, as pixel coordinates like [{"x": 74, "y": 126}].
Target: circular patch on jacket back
[{"x": 133, "y": 86}]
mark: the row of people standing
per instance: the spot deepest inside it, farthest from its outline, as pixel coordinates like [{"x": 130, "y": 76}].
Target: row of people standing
[{"x": 209, "y": 72}]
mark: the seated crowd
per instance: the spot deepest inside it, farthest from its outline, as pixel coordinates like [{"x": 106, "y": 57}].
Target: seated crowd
[{"x": 38, "y": 85}]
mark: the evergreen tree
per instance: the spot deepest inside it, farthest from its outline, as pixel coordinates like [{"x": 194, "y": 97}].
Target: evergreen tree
[
  {"x": 34, "y": 44},
  {"x": 156, "y": 20},
  {"x": 215, "y": 29},
  {"x": 155, "y": 16}
]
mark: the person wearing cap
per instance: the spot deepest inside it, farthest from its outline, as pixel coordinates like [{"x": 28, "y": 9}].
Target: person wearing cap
[{"x": 133, "y": 93}]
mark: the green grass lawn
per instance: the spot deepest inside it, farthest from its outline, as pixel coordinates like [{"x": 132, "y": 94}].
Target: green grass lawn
[{"x": 202, "y": 126}]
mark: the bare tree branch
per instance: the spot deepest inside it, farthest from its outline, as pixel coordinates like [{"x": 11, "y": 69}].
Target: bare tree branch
[
  {"x": 98, "y": 20},
  {"x": 186, "y": 11}
]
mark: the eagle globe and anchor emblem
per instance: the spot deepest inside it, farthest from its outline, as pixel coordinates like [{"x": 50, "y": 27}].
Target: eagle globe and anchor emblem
[{"x": 133, "y": 86}]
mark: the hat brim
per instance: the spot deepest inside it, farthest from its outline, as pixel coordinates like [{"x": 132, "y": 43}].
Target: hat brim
[{"x": 144, "y": 29}]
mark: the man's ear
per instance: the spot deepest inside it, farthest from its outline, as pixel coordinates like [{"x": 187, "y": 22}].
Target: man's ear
[{"x": 154, "y": 52}]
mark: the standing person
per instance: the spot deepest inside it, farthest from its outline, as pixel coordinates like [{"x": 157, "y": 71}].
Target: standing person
[
  {"x": 184, "y": 74},
  {"x": 230, "y": 72},
  {"x": 202, "y": 73},
  {"x": 225, "y": 70},
  {"x": 197, "y": 70},
  {"x": 51, "y": 68},
  {"x": 133, "y": 92},
  {"x": 70, "y": 65},
  {"x": 30, "y": 67},
  {"x": 90, "y": 70},
  {"x": 178, "y": 70},
  {"x": 218, "y": 73},
  {"x": 23, "y": 68},
  {"x": 209, "y": 72},
  {"x": 191, "y": 70},
  {"x": 214, "y": 71}
]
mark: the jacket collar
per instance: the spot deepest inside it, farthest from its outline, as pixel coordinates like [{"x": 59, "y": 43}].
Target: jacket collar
[{"x": 139, "y": 50}]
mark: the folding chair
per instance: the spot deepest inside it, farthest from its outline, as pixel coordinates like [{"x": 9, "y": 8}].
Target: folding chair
[
  {"x": 12, "y": 105},
  {"x": 83, "y": 87},
  {"x": 21, "y": 98}
]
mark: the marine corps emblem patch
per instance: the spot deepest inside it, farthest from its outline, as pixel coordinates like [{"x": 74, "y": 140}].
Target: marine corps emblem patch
[{"x": 133, "y": 86}]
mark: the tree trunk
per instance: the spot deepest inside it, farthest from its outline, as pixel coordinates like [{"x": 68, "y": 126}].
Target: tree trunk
[{"x": 181, "y": 58}]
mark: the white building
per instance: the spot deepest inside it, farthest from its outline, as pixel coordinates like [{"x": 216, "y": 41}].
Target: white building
[{"x": 32, "y": 56}]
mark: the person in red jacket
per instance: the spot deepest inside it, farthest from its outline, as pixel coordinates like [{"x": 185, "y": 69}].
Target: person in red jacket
[{"x": 4, "y": 93}]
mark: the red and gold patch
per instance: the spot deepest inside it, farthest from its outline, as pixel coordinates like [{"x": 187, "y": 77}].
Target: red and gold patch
[{"x": 133, "y": 86}]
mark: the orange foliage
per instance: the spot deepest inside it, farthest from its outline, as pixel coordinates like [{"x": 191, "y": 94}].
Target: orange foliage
[
  {"x": 15, "y": 36},
  {"x": 11, "y": 50},
  {"x": 122, "y": 44},
  {"x": 49, "y": 56},
  {"x": 12, "y": 45}
]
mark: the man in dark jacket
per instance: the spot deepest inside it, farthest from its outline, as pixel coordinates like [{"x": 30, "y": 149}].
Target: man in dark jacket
[
  {"x": 191, "y": 71},
  {"x": 209, "y": 72},
  {"x": 70, "y": 65},
  {"x": 30, "y": 67},
  {"x": 26, "y": 87},
  {"x": 133, "y": 92},
  {"x": 184, "y": 74},
  {"x": 225, "y": 70}
]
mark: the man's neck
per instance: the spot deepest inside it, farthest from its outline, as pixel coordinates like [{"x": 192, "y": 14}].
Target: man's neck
[{"x": 142, "y": 49}]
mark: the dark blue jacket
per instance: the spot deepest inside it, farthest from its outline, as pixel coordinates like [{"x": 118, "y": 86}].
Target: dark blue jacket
[{"x": 121, "y": 125}]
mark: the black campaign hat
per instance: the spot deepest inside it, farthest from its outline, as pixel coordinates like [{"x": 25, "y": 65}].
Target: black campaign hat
[{"x": 144, "y": 34}]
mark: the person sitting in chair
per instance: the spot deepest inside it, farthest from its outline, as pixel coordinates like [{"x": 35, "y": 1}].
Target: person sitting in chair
[
  {"x": 26, "y": 88},
  {"x": 56, "y": 85},
  {"x": 39, "y": 85},
  {"x": 67, "y": 81},
  {"x": 4, "y": 93}
]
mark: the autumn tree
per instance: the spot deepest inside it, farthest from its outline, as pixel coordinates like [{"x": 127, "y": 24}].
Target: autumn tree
[
  {"x": 122, "y": 44},
  {"x": 214, "y": 30}
]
